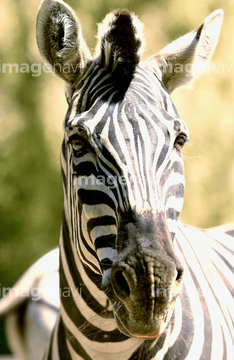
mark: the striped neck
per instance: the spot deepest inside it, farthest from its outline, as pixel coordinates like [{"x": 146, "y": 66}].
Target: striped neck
[{"x": 87, "y": 318}]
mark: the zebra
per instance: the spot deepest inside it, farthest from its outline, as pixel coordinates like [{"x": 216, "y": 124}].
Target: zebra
[{"x": 129, "y": 280}]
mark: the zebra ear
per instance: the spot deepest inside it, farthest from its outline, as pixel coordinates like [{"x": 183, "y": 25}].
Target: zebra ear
[
  {"x": 186, "y": 58},
  {"x": 60, "y": 41},
  {"x": 120, "y": 44}
]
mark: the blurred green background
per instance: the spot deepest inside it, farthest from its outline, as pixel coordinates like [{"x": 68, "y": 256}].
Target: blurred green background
[{"x": 32, "y": 109}]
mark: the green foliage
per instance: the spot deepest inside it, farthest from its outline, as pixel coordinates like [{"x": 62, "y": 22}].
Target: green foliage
[{"x": 32, "y": 109}]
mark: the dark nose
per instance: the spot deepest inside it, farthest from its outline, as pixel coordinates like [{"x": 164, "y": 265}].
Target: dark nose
[
  {"x": 122, "y": 281},
  {"x": 129, "y": 283},
  {"x": 147, "y": 261}
]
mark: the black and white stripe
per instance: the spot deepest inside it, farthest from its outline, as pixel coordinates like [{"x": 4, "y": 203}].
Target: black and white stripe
[
  {"x": 121, "y": 291},
  {"x": 202, "y": 323},
  {"x": 132, "y": 152},
  {"x": 121, "y": 160}
]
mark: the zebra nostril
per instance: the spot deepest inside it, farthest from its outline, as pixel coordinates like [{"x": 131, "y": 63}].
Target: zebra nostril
[
  {"x": 179, "y": 274},
  {"x": 120, "y": 284}
]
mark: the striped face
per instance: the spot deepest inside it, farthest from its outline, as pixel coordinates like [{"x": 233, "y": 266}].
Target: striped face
[
  {"x": 124, "y": 187},
  {"x": 123, "y": 158}
]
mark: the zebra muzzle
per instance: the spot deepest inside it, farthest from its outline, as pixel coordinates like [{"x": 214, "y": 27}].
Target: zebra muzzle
[
  {"x": 145, "y": 280},
  {"x": 143, "y": 304}
]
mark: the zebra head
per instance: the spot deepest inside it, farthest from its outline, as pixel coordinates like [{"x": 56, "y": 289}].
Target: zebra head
[{"x": 121, "y": 156}]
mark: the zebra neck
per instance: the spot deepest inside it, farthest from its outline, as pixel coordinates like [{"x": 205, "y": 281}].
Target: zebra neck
[{"x": 87, "y": 319}]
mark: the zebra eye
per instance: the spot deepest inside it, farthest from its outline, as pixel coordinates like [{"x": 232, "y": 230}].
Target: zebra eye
[
  {"x": 180, "y": 141},
  {"x": 77, "y": 144}
]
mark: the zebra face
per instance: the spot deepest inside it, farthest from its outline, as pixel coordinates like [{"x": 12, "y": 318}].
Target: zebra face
[
  {"x": 127, "y": 185},
  {"x": 121, "y": 157}
]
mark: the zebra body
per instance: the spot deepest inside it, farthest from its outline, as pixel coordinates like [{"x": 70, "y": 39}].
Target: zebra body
[{"x": 127, "y": 290}]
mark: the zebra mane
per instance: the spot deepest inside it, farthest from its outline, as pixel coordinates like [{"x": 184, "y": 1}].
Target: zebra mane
[{"x": 120, "y": 44}]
